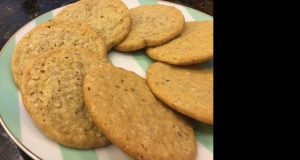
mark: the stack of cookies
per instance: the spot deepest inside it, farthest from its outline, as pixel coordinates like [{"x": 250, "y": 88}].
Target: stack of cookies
[{"x": 78, "y": 98}]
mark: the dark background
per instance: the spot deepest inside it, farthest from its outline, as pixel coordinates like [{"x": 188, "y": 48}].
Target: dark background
[{"x": 16, "y": 13}]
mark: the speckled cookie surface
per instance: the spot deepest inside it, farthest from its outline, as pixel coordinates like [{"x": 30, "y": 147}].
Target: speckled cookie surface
[
  {"x": 152, "y": 25},
  {"x": 52, "y": 94},
  {"x": 53, "y": 34},
  {"x": 123, "y": 107},
  {"x": 187, "y": 89},
  {"x": 194, "y": 45},
  {"x": 110, "y": 18}
]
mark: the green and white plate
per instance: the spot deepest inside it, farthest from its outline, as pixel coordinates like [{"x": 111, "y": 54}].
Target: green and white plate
[{"x": 29, "y": 137}]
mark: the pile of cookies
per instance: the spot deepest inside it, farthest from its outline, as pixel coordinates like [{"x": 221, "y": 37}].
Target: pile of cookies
[{"x": 78, "y": 98}]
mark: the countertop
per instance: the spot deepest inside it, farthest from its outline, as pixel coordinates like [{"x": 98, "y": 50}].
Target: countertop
[{"x": 16, "y": 13}]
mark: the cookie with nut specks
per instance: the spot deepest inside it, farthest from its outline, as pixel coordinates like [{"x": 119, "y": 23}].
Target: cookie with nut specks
[
  {"x": 121, "y": 104},
  {"x": 52, "y": 94},
  {"x": 194, "y": 45},
  {"x": 152, "y": 25},
  {"x": 187, "y": 89},
  {"x": 53, "y": 34},
  {"x": 110, "y": 18}
]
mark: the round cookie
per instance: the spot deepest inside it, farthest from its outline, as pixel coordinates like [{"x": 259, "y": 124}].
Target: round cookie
[
  {"x": 52, "y": 95},
  {"x": 194, "y": 45},
  {"x": 53, "y": 34},
  {"x": 121, "y": 104},
  {"x": 152, "y": 25},
  {"x": 110, "y": 18},
  {"x": 187, "y": 89}
]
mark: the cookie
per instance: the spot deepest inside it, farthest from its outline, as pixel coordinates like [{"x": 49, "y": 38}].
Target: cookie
[
  {"x": 187, "y": 89},
  {"x": 121, "y": 104},
  {"x": 53, "y": 34},
  {"x": 52, "y": 95},
  {"x": 110, "y": 18},
  {"x": 194, "y": 45},
  {"x": 152, "y": 25}
]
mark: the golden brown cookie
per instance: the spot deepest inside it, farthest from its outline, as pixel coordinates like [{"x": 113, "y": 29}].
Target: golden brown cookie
[
  {"x": 121, "y": 104},
  {"x": 152, "y": 25},
  {"x": 187, "y": 89},
  {"x": 110, "y": 18},
  {"x": 194, "y": 45},
  {"x": 52, "y": 94},
  {"x": 53, "y": 34}
]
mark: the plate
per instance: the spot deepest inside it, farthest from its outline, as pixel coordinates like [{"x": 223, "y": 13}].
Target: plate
[{"x": 27, "y": 135}]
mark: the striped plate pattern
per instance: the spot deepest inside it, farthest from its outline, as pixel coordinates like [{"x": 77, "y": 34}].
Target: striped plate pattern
[{"x": 27, "y": 135}]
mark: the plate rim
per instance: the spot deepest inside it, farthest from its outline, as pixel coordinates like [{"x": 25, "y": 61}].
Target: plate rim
[
  {"x": 185, "y": 6},
  {"x": 19, "y": 144},
  {"x": 7, "y": 130}
]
